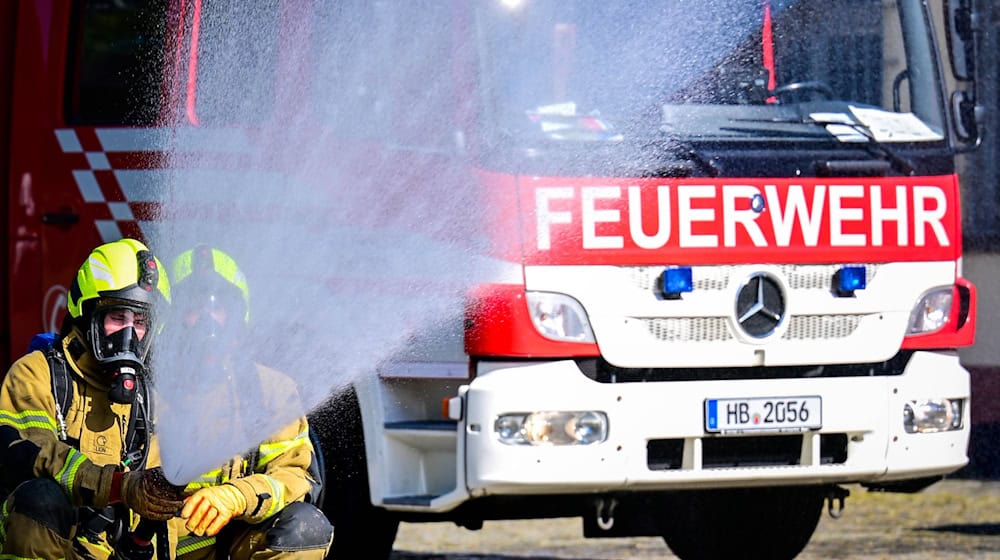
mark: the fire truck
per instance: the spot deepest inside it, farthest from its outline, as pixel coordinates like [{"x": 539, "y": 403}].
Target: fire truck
[{"x": 731, "y": 231}]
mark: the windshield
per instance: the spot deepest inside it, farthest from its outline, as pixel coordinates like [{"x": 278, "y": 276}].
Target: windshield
[{"x": 576, "y": 71}]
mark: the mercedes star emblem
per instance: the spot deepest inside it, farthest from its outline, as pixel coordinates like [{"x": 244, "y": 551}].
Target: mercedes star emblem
[{"x": 760, "y": 305}]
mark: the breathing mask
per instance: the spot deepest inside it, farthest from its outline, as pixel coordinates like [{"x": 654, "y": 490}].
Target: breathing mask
[
  {"x": 211, "y": 324},
  {"x": 120, "y": 341},
  {"x": 211, "y": 309}
]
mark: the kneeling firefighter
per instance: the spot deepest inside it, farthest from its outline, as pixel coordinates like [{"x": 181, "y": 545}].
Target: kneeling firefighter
[
  {"x": 261, "y": 503},
  {"x": 74, "y": 418}
]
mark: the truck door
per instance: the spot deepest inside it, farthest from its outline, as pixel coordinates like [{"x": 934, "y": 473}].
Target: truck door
[{"x": 87, "y": 76}]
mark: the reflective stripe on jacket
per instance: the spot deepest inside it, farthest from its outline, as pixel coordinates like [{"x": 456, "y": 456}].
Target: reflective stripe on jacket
[{"x": 95, "y": 426}]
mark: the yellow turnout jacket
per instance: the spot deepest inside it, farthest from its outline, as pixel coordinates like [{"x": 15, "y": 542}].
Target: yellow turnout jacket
[{"x": 95, "y": 427}]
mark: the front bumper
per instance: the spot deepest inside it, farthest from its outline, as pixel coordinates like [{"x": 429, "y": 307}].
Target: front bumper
[{"x": 862, "y": 418}]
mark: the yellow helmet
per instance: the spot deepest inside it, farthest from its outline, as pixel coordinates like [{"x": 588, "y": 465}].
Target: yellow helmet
[
  {"x": 123, "y": 274},
  {"x": 208, "y": 274}
]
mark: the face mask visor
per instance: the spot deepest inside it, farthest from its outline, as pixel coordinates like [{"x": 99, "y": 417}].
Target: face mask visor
[
  {"x": 210, "y": 325},
  {"x": 121, "y": 333}
]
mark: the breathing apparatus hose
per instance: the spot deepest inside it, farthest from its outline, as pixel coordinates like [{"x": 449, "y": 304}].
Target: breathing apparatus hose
[{"x": 138, "y": 544}]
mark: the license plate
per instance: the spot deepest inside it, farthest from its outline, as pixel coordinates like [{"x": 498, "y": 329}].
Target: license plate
[{"x": 763, "y": 414}]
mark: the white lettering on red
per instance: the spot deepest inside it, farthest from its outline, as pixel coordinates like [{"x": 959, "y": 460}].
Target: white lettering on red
[
  {"x": 731, "y": 215},
  {"x": 687, "y": 216},
  {"x": 635, "y": 214},
  {"x": 783, "y": 219},
  {"x": 592, "y": 216},
  {"x": 839, "y": 214},
  {"x": 881, "y": 214},
  {"x": 545, "y": 217},
  {"x": 922, "y": 216}
]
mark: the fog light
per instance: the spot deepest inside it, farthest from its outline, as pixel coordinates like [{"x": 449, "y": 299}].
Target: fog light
[
  {"x": 932, "y": 415},
  {"x": 552, "y": 428}
]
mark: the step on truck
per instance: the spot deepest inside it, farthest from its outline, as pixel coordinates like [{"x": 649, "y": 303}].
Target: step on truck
[{"x": 732, "y": 232}]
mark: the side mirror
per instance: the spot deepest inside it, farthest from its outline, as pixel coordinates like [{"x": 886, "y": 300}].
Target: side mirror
[
  {"x": 962, "y": 25},
  {"x": 968, "y": 116}
]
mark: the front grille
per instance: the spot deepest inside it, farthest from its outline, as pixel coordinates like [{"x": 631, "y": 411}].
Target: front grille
[
  {"x": 664, "y": 454},
  {"x": 747, "y": 452},
  {"x": 821, "y": 327},
  {"x": 833, "y": 449},
  {"x": 753, "y": 451},
  {"x": 685, "y": 329},
  {"x": 799, "y": 278},
  {"x": 603, "y": 372},
  {"x": 718, "y": 278},
  {"x": 717, "y": 329}
]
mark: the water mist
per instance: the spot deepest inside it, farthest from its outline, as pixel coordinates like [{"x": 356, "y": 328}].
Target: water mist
[{"x": 348, "y": 258}]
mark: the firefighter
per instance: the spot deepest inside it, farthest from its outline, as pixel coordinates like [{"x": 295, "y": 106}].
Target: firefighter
[
  {"x": 261, "y": 503},
  {"x": 74, "y": 420}
]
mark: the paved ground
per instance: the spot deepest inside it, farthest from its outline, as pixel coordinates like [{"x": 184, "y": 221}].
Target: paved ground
[{"x": 954, "y": 519}]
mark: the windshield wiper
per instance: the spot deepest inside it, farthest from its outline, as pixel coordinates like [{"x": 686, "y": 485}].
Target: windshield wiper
[
  {"x": 872, "y": 145},
  {"x": 775, "y": 131}
]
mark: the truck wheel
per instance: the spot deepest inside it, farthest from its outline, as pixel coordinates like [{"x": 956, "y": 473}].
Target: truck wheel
[
  {"x": 763, "y": 523},
  {"x": 360, "y": 530}
]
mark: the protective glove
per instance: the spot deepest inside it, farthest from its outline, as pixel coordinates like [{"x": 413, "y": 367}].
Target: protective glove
[
  {"x": 148, "y": 493},
  {"x": 208, "y": 510}
]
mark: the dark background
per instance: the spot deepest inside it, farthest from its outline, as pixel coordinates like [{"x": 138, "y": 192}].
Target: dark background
[{"x": 980, "y": 176}]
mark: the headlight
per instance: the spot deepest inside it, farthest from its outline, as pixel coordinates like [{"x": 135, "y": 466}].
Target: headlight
[
  {"x": 552, "y": 428},
  {"x": 932, "y": 415},
  {"x": 559, "y": 317},
  {"x": 931, "y": 312}
]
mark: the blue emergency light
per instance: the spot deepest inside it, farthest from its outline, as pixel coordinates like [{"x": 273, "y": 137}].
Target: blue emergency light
[
  {"x": 675, "y": 281},
  {"x": 849, "y": 279}
]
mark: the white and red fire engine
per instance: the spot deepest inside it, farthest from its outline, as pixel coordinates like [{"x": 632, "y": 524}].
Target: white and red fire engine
[{"x": 733, "y": 237}]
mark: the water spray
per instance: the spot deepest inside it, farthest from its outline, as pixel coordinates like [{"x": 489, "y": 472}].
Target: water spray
[{"x": 348, "y": 256}]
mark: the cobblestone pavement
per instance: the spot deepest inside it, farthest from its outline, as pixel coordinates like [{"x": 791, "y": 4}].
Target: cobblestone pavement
[{"x": 953, "y": 519}]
